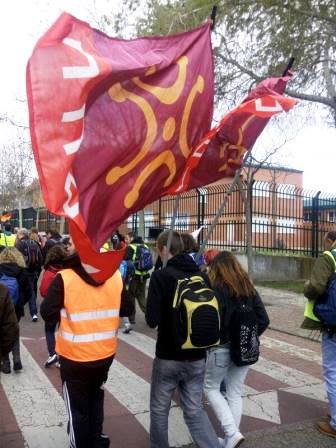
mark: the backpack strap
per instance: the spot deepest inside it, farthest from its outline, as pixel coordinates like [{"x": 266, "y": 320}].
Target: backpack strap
[
  {"x": 332, "y": 256},
  {"x": 134, "y": 247}
]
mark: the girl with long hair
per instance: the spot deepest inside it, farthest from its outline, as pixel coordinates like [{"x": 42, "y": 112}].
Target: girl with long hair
[
  {"x": 233, "y": 288},
  {"x": 13, "y": 275}
]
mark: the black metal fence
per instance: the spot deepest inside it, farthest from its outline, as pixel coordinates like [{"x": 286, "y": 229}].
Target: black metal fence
[
  {"x": 279, "y": 218},
  {"x": 275, "y": 218}
]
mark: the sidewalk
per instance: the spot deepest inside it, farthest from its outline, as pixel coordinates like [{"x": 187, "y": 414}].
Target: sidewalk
[
  {"x": 298, "y": 435},
  {"x": 285, "y": 310}
]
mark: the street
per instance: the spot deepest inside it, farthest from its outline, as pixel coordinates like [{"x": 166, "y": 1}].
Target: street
[{"x": 284, "y": 395}]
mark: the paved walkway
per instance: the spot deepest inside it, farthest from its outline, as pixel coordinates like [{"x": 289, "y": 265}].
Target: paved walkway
[
  {"x": 283, "y": 398},
  {"x": 285, "y": 309}
]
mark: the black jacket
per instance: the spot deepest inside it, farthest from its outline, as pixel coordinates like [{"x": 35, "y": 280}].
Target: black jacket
[
  {"x": 228, "y": 304},
  {"x": 25, "y": 291},
  {"x": 159, "y": 306},
  {"x": 56, "y": 239},
  {"x": 51, "y": 306},
  {"x": 9, "y": 327}
]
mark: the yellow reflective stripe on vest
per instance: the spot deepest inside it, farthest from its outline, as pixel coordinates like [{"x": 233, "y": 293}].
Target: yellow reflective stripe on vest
[
  {"x": 90, "y": 315},
  {"x": 309, "y": 311},
  {"x": 89, "y": 337},
  {"x": 330, "y": 255}
]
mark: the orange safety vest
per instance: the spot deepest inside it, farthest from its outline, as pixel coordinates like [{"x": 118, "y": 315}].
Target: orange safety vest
[{"x": 89, "y": 319}]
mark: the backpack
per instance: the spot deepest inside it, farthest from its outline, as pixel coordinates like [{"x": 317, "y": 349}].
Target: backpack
[
  {"x": 243, "y": 335},
  {"x": 126, "y": 269},
  {"x": 142, "y": 257},
  {"x": 196, "y": 316},
  {"x": 13, "y": 287},
  {"x": 325, "y": 308},
  {"x": 31, "y": 254}
]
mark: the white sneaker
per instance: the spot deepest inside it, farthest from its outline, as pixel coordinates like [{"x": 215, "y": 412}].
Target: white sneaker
[
  {"x": 51, "y": 360},
  {"x": 221, "y": 442},
  {"x": 34, "y": 318},
  {"x": 234, "y": 441},
  {"x": 127, "y": 328}
]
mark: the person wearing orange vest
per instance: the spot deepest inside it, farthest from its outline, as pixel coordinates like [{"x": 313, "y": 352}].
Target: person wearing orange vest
[{"x": 86, "y": 343}]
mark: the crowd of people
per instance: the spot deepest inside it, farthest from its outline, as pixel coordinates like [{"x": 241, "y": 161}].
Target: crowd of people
[{"x": 207, "y": 312}]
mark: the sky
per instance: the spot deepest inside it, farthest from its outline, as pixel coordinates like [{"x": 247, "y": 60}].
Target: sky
[{"x": 308, "y": 146}]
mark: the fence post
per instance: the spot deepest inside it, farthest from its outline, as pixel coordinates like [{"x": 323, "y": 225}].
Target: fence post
[
  {"x": 315, "y": 222},
  {"x": 200, "y": 212},
  {"x": 249, "y": 219},
  {"x": 135, "y": 223},
  {"x": 198, "y": 208},
  {"x": 160, "y": 212}
]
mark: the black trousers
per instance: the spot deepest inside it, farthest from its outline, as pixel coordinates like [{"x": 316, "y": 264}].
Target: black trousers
[{"x": 84, "y": 400}]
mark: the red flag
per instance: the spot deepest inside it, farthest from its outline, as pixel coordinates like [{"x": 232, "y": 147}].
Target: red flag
[
  {"x": 6, "y": 217},
  {"x": 117, "y": 124},
  {"x": 222, "y": 149},
  {"x": 113, "y": 121}
]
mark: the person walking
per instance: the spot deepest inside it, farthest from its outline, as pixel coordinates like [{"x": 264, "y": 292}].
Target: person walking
[
  {"x": 139, "y": 253},
  {"x": 7, "y": 238},
  {"x": 173, "y": 367},
  {"x": 53, "y": 237},
  {"x": 191, "y": 248},
  {"x": 9, "y": 327},
  {"x": 53, "y": 264},
  {"x": 13, "y": 276},
  {"x": 233, "y": 288},
  {"x": 86, "y": 343},
  {"x": 33, "y": 258},
  {"x": 314, "y": 289}
]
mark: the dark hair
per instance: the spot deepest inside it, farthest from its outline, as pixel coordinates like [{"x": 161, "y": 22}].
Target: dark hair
[
  {"x": 189, "y": 243},
  {"x": 8, "y": 227},
  {"x": 66, "y": 241},
  {"x": 55, "y": 255},
  {"x": 225, "y": 269},
  {"x": 53, "y": 232},
  {"x": 331, "y": 235},
  {"x": 176, "y": 245}
]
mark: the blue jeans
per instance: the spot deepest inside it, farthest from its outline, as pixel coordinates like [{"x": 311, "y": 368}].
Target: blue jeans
[
  {"x": 187, "y": 378},
  {"x": 32, "y": 299},
  {"x": 49, "y": 330},
  {"x": 328, "y": 347},
  {"x": 228, "y": 408}
]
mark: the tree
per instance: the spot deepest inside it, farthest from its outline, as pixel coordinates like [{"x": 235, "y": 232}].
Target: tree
[
  {"x": 254, "y": 39},
  {"x": 16, "y": 173}
]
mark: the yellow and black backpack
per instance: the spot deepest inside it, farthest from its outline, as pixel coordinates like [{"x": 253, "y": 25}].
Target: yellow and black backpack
[{"x": 196, "y": 314}]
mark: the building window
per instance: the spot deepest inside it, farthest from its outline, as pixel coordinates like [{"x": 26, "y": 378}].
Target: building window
[
  {"x": 286, "y": 225},
  {"x": 260, "y": 224},
  {"x": 332, "y": 216},
  {"x": 307, "y": 216},
  {"x": 181, "y": 221}
]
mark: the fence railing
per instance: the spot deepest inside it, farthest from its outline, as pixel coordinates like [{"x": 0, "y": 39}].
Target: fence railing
[{"x": 282, "y": 218}]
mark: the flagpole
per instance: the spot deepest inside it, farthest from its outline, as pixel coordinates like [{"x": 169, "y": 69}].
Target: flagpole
[
  {"x": 222, "y": 207},
  {"x": 172, "y": 225}
]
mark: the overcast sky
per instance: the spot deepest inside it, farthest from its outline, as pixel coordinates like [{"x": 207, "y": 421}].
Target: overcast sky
[{"x": 311, "y": 148}]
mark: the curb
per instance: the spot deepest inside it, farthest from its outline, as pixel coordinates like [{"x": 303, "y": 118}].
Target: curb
[{"x": 293, "y": 333}]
